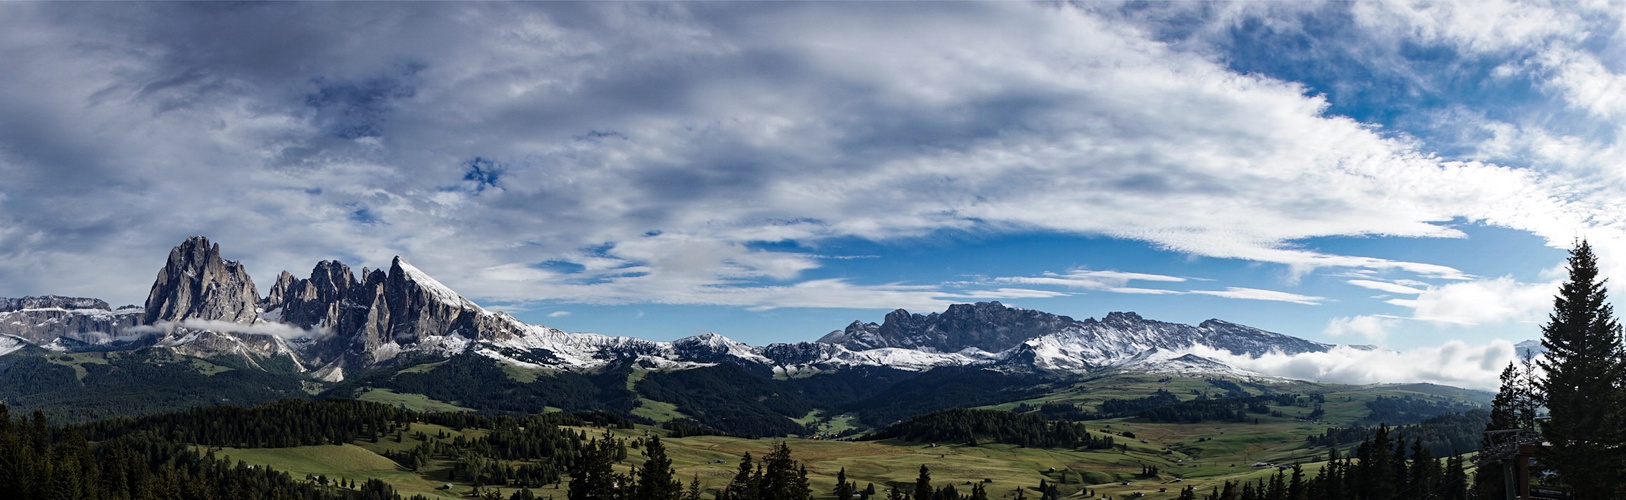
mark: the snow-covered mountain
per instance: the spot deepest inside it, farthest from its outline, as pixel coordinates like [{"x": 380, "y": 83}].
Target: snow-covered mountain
[{"x": 335, "y": 322}]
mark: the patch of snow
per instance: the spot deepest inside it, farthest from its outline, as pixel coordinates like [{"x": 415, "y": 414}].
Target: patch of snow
[
  {"x": 10, "y": 344},
  {"x": 333, "y": 372},
  {"x": 441, "y": 292}
]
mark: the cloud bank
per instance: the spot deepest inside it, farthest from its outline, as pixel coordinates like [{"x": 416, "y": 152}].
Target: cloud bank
[{"x": 1454, "y": 363}]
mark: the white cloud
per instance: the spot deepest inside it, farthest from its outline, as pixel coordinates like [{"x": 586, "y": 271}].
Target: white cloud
[
  {"x": 1117, "y": 282},
  {"x": 1483, "y": 301},
  {"x": 1372, "y": 328},
  {"x": 1106, "y": 281},
  {"x": 1386, "y": 286},
  {"x": 282, "y": 330},
  {"x": 558, "y": 314},
  {"x": 1455, "y": 363},
  {"x": 1258, "y": 294}
]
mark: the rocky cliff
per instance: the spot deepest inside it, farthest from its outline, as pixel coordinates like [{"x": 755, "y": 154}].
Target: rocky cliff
[{"x": 196, "y": 283}]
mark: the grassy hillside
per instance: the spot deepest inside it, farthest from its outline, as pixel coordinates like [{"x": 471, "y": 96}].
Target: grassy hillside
[{"x": 1203, "y": 455}]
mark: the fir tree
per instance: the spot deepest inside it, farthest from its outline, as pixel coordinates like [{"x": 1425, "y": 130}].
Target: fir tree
[
  {"x": 1582, "y": 386},
  {"x": 844, "y": 489},
  {"x": 655, "y": 481},
  {"x": 744, "y": 485},
  {"x": 591, "y": 476},
  {"x": 923, "y": 484}
]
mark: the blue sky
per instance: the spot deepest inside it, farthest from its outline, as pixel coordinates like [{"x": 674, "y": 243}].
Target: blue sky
[{"x": 1390, "y": 173}]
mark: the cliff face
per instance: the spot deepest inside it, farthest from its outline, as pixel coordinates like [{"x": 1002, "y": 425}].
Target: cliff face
[
  {"x": 365, "y": 321},
  {"x": 989, "y": 326},
  {"x": 66, "y": 321},
  {"x": 196, "y": 283}
]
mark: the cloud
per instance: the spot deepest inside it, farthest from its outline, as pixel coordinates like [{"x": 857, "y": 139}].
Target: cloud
[
  {"x": 1106, "y": 281},
  {"x": 1235, "y": 292},
  {"x": 1455, "y": 363},
  {"x": 558, "y": 314},
  {"x": 282, "y": 330},
  {"x": 1386, "y": 286},
  {"x": 654, "y": 146},
  {"x": 1117, "y": 281},
  {"x": 1372, "y": 328},
  {"x": 1482, "y": 301}
]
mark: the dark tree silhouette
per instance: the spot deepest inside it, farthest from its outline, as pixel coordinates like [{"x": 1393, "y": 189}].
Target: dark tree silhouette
[{"x": 1582, "y": 385}]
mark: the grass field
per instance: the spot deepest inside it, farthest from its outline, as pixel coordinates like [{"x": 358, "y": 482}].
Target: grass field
[
  {"x": 415, "y": 402},
  {"x": 1201, "y": 455},
  {"x": 714, "y": 460}
]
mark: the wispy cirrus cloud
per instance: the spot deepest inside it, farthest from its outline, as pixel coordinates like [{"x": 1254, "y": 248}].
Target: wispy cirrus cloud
[{"x": 1117, "y": 282}]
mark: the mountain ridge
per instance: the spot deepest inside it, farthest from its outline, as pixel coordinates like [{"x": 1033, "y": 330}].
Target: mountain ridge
[{"x": 334, "y": 322}]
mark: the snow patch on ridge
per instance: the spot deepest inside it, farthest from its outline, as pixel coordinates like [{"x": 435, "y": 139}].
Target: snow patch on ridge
[
  {"x": 440, "y": 291},
  {"x": 10, "y": 344}
]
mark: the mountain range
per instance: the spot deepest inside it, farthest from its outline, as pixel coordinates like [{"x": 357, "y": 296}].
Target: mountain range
[{"x": 337, "y": 322}]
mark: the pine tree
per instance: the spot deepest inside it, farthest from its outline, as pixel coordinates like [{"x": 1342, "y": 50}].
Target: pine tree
[
  {"x": 781, "y": 478},
  {"x": 895, "y": 493},
  {"x": 844, "y": 489},
  {"x": 655, "y": 481},
  {"x": 1456, "y": 479},
  {"x": 979, "y": 492},
  {"x": 694, "y": 489},
  {"x": 744, "y": 485},
  {"x": 591, "y": 475},
  {"x": 1584, "y": 371},
  {"x": 1189, "y": 493},
  {"x": 1296, "y": 488},
  {"x": 923, "y": 484}
]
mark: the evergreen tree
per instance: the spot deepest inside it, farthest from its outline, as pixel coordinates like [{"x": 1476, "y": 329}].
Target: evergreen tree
[
  {"x": 1513, "y": 408},
  {"x": 693, "y": 492},
  {"x": 744, "y": 485},
  {"x": 979, "y": 492},
  {"x": 1425, "y": 471},
  {"x": 1582, "y": 386},
  {"x": 591, "y": 475},
  {"x": 844, "y": 489},
  {"x": 1189, "y": 493},
  {"x": 655, "y": 478},
  {"x": 923, "y": 484},
  {"x": 1456, "y": 479},
  {"x": 781, "y": 479},
  {"x": 895, "y": 493},
  {"x": 1296, "y": 487}
]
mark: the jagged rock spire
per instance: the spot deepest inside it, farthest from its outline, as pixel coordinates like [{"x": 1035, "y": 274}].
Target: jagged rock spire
[{"x": 196, "y": 283}]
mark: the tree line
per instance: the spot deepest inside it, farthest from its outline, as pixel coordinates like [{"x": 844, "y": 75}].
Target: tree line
[
  {"x": 971, "y": 426},
  {"x": 1381, "y": 468}
]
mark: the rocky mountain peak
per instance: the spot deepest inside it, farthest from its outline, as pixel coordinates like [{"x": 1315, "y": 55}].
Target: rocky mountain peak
[
  {"x": 314, "y": 301},
  {"x": 196, "y": 283},
  {"x": 1122, "y": 319},
  {"x": 51, "y": 302},
  {"x": 989, "y": 326}
]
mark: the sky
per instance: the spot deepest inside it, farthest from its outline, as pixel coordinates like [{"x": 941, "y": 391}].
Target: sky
[{"x": 1408, "y": 175}]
